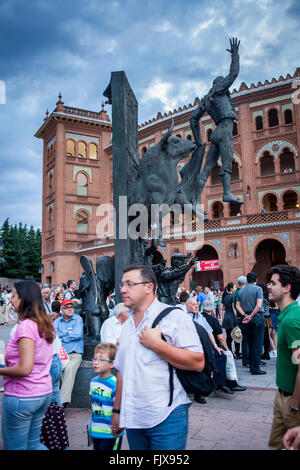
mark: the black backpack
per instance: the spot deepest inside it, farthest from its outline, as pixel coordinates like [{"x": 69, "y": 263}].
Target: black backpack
[{"x": 200, "y": 383}]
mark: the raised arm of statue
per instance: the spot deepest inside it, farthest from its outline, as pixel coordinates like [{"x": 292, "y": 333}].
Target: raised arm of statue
[{"x": 235, "y": 63}]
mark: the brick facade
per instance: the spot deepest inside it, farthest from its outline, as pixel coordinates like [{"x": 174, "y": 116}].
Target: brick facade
[{"x": 266, "y": 175}]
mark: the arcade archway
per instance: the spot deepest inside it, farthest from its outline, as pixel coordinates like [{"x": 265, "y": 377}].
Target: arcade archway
[
  {"x": 269, "y": 252},
  {"x": 207, "y": 276}
]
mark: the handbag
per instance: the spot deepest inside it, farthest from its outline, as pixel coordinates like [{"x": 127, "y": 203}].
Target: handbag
[
  {"x": 63, "y": 356},
  {"x": 231, "y": 373},
  {"x": 54, "y": 433}
]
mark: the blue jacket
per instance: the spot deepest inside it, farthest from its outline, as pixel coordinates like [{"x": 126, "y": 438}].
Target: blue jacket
[{"x": 71, "y": 333}]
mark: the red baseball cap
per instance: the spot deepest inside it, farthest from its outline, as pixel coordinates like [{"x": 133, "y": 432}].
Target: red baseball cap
[{"x": 66, "y": 302}]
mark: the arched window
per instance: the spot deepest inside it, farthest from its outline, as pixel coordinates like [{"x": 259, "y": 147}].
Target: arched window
[
  {"x": 288, "y": 116},
  {"x": 270, "y": 202},
  {"x": 93, "y": 151},
  {"x": 266, "y": 164},
  {"x": 273, "y": 117},
  {"x": 82, "y": 149},
  {"x": 215, "y": 179},
  {"x": 82, "y": 184},
  {"x": 290, "y": 200},
  {"x": 235, "y": 171},
  {"x": 82, "y": 222},
  {"x": 235, "y": 128},
  {"x": 287, "y": 162},
  {"x": 234, "y": 210},
  {"x": 50, "y": 218},
  {"x": 70, "y": 148},
  {"x": 259, "y": 123},
  {"x": 144, "y": 150},
  {"x": 217, "y": 210},
  {"x": 189, "y": 137},
  {"x": 51, "y": 183},
  {"x": 208, "y": 134}
]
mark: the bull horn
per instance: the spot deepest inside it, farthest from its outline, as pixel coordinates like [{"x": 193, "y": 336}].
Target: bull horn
[{"x": 165, "y": 138}]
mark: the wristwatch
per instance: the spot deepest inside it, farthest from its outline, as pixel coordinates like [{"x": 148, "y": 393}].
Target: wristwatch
[{"x": 293, "y": 409}]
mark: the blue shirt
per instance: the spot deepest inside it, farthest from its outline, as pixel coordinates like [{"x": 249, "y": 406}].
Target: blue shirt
[
  {"x": 201, "y": 321},
  {"x": 201, "y": 298},
  {"x": 71, "y": 333}
]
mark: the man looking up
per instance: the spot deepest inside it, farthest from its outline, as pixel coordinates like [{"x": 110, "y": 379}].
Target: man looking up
[
  {"x": 143, "y": 389},
  {"x": 284, "y": 289}
]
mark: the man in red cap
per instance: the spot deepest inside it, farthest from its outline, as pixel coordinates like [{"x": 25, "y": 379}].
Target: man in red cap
[{"x": 69, "y": 328}]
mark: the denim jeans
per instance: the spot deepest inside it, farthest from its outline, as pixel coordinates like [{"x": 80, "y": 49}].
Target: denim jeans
[
  {"x": 254, "y": 331},
  {"x": 170, "y": 434},
  {"x": 22, "y": 420},
  {"x": 55, "y": 372}
]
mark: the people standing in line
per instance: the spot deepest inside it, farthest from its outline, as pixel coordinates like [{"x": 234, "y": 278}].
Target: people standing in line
[
  {"x": 143, "y": 389},
  {"x": 241, "y": 282},
  {"x": 229, "y": 319},
  {"x": 102, "y": 391},
  {"x": 27, "y": 379},
  {"x": 250, "y": 305},
  {"x": 284, "y": 288},
  {"x": 69, "y": 328},
  {"x": 111, "y": 328}
]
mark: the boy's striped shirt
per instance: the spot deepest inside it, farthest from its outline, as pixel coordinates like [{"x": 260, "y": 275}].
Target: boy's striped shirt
[{"x": 102, "y": 392}]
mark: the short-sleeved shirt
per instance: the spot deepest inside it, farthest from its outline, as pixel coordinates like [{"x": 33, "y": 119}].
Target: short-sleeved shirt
[
  {"x": 288, "y": 337},
  {"x": 38, "y": 382},
  {"x": 248, "y": 297},
  {"x": 145, "y": 375},
  {"x": 103, "y": 393}
]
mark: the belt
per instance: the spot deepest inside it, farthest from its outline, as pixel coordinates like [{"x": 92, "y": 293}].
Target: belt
[{"x": 285, "y": 394}]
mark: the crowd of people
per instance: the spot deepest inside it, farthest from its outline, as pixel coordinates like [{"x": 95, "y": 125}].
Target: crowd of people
[{"x": 249, "y": 321}]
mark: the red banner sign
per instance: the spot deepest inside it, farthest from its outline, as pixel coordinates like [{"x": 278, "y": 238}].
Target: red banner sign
[{"x": 208, "y": 265}]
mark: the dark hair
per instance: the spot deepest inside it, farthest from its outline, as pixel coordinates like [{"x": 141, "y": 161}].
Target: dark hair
[
  {"x": 229, "y": 286},
  {"x": 55, "y": 306},
  {"x": 69, "y": 283},
  {"x": 288, "y": 275},
  {"x": 32, "y": 307},
  {"x": 264, "y": 289},
  {"x": 64, "y": 285},
  {"x": 146, "y": 272},
  {"x": 251, "y": 277},
  {"x": 184, "y": 296}
]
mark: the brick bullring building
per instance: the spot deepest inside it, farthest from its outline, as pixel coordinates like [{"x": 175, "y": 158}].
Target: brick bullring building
[{"x": 265, "y": 230}]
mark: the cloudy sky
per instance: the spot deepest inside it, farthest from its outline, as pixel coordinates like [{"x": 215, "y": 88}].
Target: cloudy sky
[{"x": 170, "y": 51}]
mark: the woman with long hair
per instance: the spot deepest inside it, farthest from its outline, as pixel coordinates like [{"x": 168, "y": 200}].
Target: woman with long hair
[
  {"x": 229, "y": 319},
  {"x": 27, "y": 381}
]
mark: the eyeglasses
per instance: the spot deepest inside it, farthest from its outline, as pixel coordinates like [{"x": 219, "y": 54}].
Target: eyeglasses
[
  {"x": 102, "y": 360},
  {"x": 68, "y": 308},
  {"x": 131, "y": 284}
]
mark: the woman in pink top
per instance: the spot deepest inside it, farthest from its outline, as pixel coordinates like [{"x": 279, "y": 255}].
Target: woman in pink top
[{"x": 27, "y": 381}]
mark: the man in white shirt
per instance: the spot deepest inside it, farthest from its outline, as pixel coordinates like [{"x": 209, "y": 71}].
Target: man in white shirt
[
  {"x": 111, "y": 328},
  {"x": 143, "y": 390}
]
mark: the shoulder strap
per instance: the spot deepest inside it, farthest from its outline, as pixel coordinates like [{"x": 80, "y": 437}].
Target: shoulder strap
[
  {"x": 162, "y": 314},
  {"x": 159, "y": 317}
]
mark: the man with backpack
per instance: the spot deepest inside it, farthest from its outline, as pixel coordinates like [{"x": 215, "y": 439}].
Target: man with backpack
[{"x": 153, "y": 420}]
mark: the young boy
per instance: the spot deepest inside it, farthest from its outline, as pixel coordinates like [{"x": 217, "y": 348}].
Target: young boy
[{"x": 102, "y": 390}]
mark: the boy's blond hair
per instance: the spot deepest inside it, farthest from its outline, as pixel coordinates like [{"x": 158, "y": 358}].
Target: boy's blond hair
[{"x": 110, "y": 348}]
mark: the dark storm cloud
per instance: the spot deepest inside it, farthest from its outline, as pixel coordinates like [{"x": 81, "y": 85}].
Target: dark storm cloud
[{"x": 170, "y": 50}]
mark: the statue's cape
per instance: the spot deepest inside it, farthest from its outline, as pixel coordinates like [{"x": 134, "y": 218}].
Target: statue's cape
[
  {"x": 90, "y": 276},
  {"x": 189, "y": 175}
]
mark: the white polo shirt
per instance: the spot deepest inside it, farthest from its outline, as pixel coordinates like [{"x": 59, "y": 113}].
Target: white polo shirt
[
  {"x": 145, "y": 376},
  {"x": 110, "y": 330}
]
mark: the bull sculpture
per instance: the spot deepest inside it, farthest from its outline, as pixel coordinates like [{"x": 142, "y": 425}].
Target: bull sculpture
[{"x": 157, "y": 179}]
